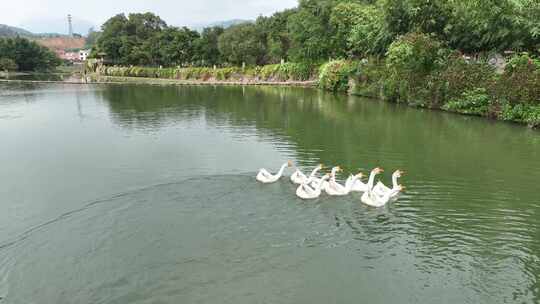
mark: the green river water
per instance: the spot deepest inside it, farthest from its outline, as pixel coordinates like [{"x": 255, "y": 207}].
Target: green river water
[{"x": 142, "y": 194}]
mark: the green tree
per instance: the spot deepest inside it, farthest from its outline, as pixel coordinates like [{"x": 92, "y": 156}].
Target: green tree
[
  {"x": 414, "y": 53},
  {"x": 344, "y": 18},
  {"x": 429, "y": 16},
  {"x": 207, "y": 46},
  {"x": 112, "y": 38},
  {"x": 28, "y": 55},
  {"x": 276, "y": 36},
  {"x": 310, "y": 31},
  {"x": 124, "y": 39},
  {"x": 370, "y": 35},
  {"x": 529, "y": 17},
  {"x": 8, "y": 64},
  {"x": 174, "y": 46},
  {"x": 242, "y": 43},
  {"x": 397, "y": 16},
  {"x": 476, "y": 26},
  {"x": 92, "y": 38}
]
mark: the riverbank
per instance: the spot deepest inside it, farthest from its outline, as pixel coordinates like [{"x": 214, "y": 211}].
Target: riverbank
[
  {"x": 450, "y": 83},
  {"x": 166, "y": 82},
  {"x": 163, "y": 81}
]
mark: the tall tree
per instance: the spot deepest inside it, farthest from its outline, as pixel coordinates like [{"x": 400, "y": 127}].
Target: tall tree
[
  {"x": 276, "y": 36},
  {"x": 370, "y": 35},
  {"x": 344, "y": 17},
  {"x": 207, "y": 46},
  {"x": 310, "y": 31},
  {"x": 123, "y": 39},
  {"x": 27, "y": 55},
  {"x": 175, "y": 46},
  {"x": 476, "y": 26},
  {"x": 242, "y": 43}
]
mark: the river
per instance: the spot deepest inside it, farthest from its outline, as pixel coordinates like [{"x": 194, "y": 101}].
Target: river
[{"x": 146, "y": 194}]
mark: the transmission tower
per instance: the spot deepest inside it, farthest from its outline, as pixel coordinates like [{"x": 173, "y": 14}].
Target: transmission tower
[{"x": 70, "y": 24}]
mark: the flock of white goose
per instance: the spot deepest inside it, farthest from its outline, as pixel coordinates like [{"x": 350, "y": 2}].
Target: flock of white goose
[{"x": 311, "y": 187}]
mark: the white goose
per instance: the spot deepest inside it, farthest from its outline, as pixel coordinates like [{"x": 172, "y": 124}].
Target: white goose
[
  {"x": 380, "y": 189},
  {"x": 371, "y": 198},
  {"x": 375, "y": 200},
  {"x": 266, "y": 177},
  {"x": 299, "y": 178},
  {"x": 316, "y": 181},
  {"x": 356, "y": 185},
  {"x": 367, "y": 193},
  {"x": 305, "y": 191},
  {"x": 336, "y": 189}
]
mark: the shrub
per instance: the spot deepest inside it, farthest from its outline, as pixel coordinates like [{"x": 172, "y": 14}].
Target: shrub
[
  {"x": 334, "y": 75},
  {"x": 414, "y": 53},
  {"x": 91, "y": 65},
  {"x": 521, "y": 113},
  {"x": 300, "y": 71},
  {"x": 287, "y": 71},
  {"x": 413, "y": 61},
  {"x": 533, "y": 117},
  {"x": 520, "y": 82},
  {"x": 7, "y": 64},
  {"x": 460, "y": 75},
  {"x": 268, "y": 71},
  {"x": 473, "y": 102},
  {"x": 369, "y": 78}
]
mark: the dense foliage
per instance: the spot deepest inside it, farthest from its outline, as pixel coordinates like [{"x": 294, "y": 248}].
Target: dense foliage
[
  {"x": 242, "y": 43},
  {"x": 334, "y": 75},
  {"x": 319, "y": 30},
  {"x": 429, "y": 53},
  {"x": 25, "y": 55}
]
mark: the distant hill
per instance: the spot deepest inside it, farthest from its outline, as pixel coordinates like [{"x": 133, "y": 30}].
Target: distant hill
[
  {"x": 56, "y": 25},
  {"x": 11, "y": 31},
  {"x": 224, "y": 24}
]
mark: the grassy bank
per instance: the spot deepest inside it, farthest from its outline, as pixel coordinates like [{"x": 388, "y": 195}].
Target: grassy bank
[
  {"x": 172, "y": 81},
  {"x": 287, "y": 72}
]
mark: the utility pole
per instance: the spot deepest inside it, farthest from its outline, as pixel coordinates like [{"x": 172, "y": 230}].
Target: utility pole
[{"x": 70, "y": 24}]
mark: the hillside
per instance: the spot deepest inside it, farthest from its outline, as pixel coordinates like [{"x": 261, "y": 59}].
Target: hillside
[
  {"x": 11, "y": 31},
  {"x": 62, "y": 43}
]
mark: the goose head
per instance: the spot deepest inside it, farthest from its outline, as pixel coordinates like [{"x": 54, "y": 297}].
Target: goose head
[
  {"x": 399, "y": 173},
  {"x": 377, "y": 171},
  {"x": 335, "y": 170}
]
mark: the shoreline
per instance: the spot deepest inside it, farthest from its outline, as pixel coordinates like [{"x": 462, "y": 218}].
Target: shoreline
[{"x": 164, "y": 82}]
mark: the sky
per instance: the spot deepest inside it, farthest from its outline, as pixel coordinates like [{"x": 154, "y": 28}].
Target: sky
[{"x": 50, "y": 15}]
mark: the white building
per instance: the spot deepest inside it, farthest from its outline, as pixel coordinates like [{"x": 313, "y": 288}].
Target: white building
[{"x": 83, "y": 54}]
